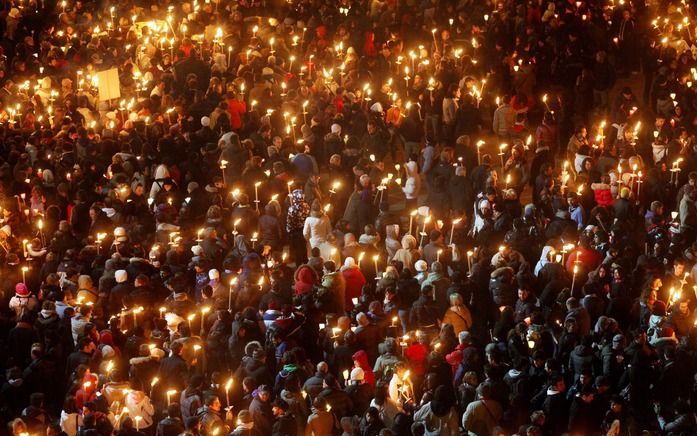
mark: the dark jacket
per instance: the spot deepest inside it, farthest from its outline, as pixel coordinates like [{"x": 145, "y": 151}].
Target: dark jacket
[
  {"x": 423, "y": 313},
  {"x": 169, "y": 427},
  {"x": 340, "y": 402}
]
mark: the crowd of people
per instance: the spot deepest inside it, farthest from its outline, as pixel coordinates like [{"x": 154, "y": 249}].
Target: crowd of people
[{"x": 363, "y": 218}]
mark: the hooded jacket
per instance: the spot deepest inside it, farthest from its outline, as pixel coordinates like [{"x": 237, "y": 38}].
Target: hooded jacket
[
  {"x": 355, "y": 280},
  {"x": 392, "y": 245},
  {"x": 305, "y": 278}
]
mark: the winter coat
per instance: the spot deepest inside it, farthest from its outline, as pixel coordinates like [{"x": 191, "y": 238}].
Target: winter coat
[
  {"x": 355, "y": 280},
  {"x": 423, "y": 313},
  {"x": 446, "y": 425},
  {"x": 316, "y": 229},
  {"x": 481, "y": 417},
  {"x": 298, "y": 212},
  {"x": 459, "y": 317},
  {"x": 305, "y": 278},
  {"x": 140, "y": 405},
  {"x": 336, "y": 284},
  {"x": 581, "y": 358}
]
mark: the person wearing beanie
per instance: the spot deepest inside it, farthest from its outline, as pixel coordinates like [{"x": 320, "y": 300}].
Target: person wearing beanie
[
  {"x": 172, "y": 424},
  {"x": 440, "y": 283},
  {"x": 120, "y": 291},
  {"x": 285, "y": 421},
  {"x": 260, "y": 409},
  {"x": 421, "y": 268},
  {"x": 623, "y": 206},
  {"x": 360, "y": 392}
]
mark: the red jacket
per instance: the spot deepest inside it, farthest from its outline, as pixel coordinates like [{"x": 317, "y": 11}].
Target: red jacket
[
  {"x": 235, "y": 109},
  {"x": 603, "y": 195},
  {"x": 416, "y": 354},
  {"x": 354, "y": 285},
  {"x": 305, "y": 279}
]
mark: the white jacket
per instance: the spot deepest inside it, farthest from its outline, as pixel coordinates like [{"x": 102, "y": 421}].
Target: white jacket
[
  {"x": 140, "y": 405},
  {"x": 317, "y": 229},
  {"x": 162, "y": 172},
  {"x": 70, "y": 422},
  {"x": 413, "y": 184}
]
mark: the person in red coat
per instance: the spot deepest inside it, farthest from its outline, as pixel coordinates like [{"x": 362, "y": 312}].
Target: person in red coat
[
  {"x": 305, "y": 279},
  {"x": 355, "y": 280}
]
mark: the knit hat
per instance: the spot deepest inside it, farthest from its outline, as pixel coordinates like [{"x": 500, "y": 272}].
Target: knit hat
[
  {"x": 214, "y": 274},
  {"x": 21, "y": 290},
  {"x": 421, "y": 265},
  {"x": 197, "y": 250},
  {"x": 357, "y": 374},
  {"x": 121, "y": 276},
  {"x": 349, "y": 262},
  {"x": 108, "y": 352},
  {"x": 120, "y": 234},
  {"x": 617, "y": 341}
]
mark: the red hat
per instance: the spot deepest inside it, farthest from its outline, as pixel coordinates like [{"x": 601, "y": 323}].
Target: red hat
[{"x": 21, "y": 290}]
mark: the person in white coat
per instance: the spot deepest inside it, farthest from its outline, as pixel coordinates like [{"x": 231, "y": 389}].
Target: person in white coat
[
  {"x": 412, "y": 186},
  {"x": 317, "y": 226},
  {"x": 161, "y": 172},
  {"x": 139, "y": 404}
]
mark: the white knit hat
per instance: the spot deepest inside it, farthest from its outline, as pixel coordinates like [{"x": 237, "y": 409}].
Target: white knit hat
[
  {"x": 357, "y": 374},
  {"x": 121, "y": 276}
]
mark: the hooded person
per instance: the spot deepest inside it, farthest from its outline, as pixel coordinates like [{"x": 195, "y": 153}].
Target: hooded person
[
  {"x": 86, "y": 292},
  {"x": 544, "y": 259},
  {"x": 305, "y": 279},
  {"x": 392, "y": 244},
  {"x": 412, "y": 185},
  {"x": 360, "y": 360},
  {"x": 139, "y": 404},
  {"x": 355, "y": 280}
]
